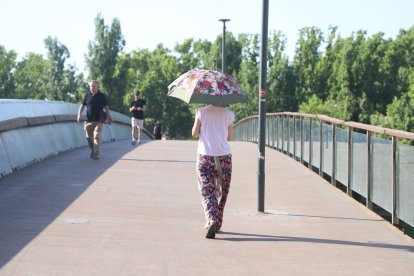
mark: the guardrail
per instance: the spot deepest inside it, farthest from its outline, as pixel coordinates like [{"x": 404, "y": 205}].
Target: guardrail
[
  {"x": 33, "y": 130},
  {"x": 365, "y": 161}
]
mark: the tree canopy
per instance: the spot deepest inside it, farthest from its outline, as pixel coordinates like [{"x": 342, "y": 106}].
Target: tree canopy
[{"x": 362, "y": 78}]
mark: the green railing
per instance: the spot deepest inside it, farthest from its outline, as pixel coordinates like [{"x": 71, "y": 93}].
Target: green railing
[{"x": 366, "y": 161}]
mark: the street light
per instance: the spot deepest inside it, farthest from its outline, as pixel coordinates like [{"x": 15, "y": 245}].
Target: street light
[
  {"x": 262, "y": 109},
  {"x": 223, "y": 46}
]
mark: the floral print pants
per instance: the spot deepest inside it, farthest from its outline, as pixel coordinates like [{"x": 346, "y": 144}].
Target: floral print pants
[{"x": 214, "y": 177}]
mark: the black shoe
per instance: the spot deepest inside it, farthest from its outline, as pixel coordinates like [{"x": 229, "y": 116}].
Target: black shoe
[
  {"x": 91, "y": 154},
  {"x": 211, "y": 231}
]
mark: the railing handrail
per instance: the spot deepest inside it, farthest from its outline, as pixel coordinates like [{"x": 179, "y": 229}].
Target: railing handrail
[{"x": 377, "y": 129}]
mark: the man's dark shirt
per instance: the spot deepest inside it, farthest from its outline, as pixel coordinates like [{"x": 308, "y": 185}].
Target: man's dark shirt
[
  {"x": 94, "y": 104},
  {"x": 138, "y": 114}
]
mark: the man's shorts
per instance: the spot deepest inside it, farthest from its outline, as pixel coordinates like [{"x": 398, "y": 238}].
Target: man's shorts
[{"x": 139, "y": 123}]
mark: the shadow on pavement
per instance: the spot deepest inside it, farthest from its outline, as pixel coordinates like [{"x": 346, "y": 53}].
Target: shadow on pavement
[
  {"x": 245, "y": 237},
  {"x": 32, "y": 198}
]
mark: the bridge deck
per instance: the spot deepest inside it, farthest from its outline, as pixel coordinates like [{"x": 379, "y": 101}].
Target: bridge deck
[{"x": 137, "y": 211}]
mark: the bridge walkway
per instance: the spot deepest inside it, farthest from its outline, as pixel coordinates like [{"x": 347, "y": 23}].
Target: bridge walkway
[{"x": 137, "y": 211}]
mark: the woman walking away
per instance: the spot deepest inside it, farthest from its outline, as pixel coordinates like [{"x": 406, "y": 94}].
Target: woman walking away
[{"x": 214, "y": 127}]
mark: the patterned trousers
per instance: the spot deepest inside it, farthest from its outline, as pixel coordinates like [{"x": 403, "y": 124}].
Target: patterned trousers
[{"x": 214, "y": 177}]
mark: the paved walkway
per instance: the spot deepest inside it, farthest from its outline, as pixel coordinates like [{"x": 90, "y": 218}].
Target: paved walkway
[{"x": 137, "y": 211}]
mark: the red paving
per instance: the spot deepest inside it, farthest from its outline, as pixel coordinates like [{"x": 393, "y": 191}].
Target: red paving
[{"x": 137, "y": 211}]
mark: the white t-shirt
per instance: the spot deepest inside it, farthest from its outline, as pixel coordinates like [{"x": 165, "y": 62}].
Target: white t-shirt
[{"x": 215, "y": 121}]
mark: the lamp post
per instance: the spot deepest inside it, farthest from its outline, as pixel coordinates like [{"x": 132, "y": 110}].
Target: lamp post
[
  {"x": 223, "y": 46},
  {"x": 262, "y": 109}
]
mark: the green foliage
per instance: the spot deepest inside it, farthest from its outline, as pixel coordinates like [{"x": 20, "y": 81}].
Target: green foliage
[
  {"x": 233, "y": 53},
  {"x": 400, "y": 113},
  {"x": 63, "y": 84},
  {"x": 248, "y": 76},
  {"x": 330, "y": 108},
  {"x": 306, "y": 58},
  {"x": 102, "y": 61},
  {"x": 31, "y": 78},
  {"x": 281, "y": 79},
  {"x": 358, "y": 78},
  {"x": 7, "y": 64}
]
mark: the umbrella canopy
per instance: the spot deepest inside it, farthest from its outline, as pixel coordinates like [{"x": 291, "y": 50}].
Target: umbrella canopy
[{"x": 206, "y": 86}]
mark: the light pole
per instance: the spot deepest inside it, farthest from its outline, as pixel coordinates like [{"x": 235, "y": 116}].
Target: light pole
[
  {"x": 223, "y": 46},
  {"x": 262, "y": 109}
]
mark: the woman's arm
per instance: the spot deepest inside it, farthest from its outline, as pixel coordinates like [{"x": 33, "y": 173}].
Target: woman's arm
[
  {"x": 196, "y": 127},
  {"x": 230, "y": 132}
]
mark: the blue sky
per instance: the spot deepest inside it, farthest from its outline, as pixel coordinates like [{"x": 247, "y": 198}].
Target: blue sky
[{"x": 26, "y": 23}]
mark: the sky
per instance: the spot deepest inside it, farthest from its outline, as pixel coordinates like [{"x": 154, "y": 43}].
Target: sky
[{"x": 145, "y": 23}]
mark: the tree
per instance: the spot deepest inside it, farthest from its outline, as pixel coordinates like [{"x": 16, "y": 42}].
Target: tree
[
  {"x": 233, "y": 53},
  {"x": 348, "y": 74},
  {"x": 7, "y": 64},
  {"x": 399, "y": 63},
  {"x": 57, "y": 55},
  {"x": 400, "y": 113},
  {"x": 194, "y": 55},
  {"x": 281, "y": 80},
  {"x": 248, "y": 75},
  {"x": 30, "y": 77},
  {"x": 306, "y": 58},
  {"x": 102, "y": 59},
  {"x": 63, "y": 83}
]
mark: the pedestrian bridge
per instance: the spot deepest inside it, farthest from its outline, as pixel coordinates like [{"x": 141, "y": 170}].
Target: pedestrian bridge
[{"x": 337, "y": 200}]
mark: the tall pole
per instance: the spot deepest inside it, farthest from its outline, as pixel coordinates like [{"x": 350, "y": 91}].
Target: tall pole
[
  {"x": 262, "y": 109},
  {"x": 223, "y": 46}
]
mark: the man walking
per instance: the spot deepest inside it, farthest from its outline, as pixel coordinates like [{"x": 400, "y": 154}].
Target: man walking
[
  {"x": 138, "y": 106},
  {"x": 95, "y": 102}
]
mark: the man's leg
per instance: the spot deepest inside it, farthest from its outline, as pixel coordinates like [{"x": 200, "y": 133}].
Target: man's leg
[
  {"x": 88, "y": 127},
  {"x": 133, "y": 135},
  {"x": 140, "y": 125},
  {"x": 133, "y": 126},
  {"x": 139, "y": 135},
  {"x": 97, "y": 133}
]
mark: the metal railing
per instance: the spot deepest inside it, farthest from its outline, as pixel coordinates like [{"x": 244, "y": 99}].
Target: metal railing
[{"x": 366, "y": 160}]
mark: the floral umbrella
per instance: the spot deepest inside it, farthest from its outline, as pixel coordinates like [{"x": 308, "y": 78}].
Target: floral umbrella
[{"x": 206, "y": 86}]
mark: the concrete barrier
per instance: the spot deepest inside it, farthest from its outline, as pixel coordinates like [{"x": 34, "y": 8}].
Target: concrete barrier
[{"x": 50, "y": 128}]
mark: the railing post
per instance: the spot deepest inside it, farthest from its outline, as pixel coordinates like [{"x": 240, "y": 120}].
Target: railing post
[
  {"x": 333, "y": 179},
  {"x": 272, "y": 134},
  {"x": 310, "y": 144},
  {"x": 287, "y": 135},
  {"x": 301, "y": 139},
  {"x": 369, "y": 170},
  {"x": 294, "y": 137},
  {"x": 277, "y": 132},
  {"x": 320, "y": 148},
  {"x": 394, "y": 218},
  {"x": 283, "y": 133},
  {"x": 267, "y": 138},
  {"x": 350, "y": 162}
]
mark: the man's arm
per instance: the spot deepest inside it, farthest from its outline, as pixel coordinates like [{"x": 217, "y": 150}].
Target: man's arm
[
  {"x": 132, "y": 108},
  {"x": 81, "y": 107},
  {"x": 108, "y": 116}
]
